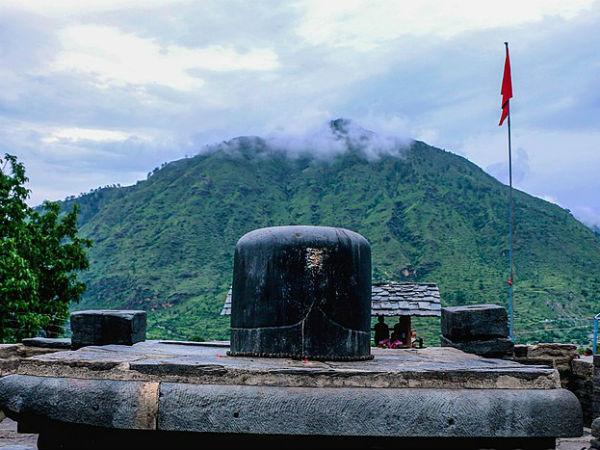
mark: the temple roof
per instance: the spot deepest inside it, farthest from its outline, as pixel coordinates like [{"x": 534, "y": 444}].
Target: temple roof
[
  {"x": 405, "y": 299},
  {"x": 393, "y": 299}
]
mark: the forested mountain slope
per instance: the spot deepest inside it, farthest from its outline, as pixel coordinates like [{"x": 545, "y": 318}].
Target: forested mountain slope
[{"x": 166, "y": 244}]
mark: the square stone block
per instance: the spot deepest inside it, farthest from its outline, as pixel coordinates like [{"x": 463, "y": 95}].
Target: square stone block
[
  {"x": 105, "y": 327},
  {"x": 474, "y": 322}
]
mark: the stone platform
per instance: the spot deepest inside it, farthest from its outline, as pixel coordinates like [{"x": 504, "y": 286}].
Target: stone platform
[{"x": 159, "y": 392}]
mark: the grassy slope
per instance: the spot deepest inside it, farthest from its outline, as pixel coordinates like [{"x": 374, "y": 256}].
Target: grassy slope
[{"x": 166, "y": 244}]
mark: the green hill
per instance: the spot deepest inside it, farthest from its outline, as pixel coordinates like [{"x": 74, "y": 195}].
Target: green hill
[{"x": 166, "y": 244}]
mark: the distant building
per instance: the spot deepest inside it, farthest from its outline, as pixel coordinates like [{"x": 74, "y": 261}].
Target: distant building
[
  {"x": 393, "y": 299},
  {"x": 405, "y": 299}
]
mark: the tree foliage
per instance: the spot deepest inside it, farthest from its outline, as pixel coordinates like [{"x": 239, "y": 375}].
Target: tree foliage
[{"x": 40, "y": 256}]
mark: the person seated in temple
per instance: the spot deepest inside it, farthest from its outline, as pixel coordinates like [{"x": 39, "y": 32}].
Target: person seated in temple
[
  {"x": 399, "y": 333},
  {"x": 382, "y": 331},
  {"x": 416, "y": 342}
]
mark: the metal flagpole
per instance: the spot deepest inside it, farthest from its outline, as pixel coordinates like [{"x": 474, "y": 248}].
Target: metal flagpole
[{"x": 510, "y": 229}]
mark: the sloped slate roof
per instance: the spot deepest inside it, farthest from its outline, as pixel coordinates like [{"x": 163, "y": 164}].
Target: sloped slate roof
[
  {"x": 393, "y": 299},
  {"x": 405, "y": 299}
]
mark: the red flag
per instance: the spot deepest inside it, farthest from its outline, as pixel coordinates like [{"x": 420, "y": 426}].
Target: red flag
[{"x": 506, "y": 88}]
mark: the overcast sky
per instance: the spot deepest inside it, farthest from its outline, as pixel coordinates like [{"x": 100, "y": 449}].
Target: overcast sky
[{"x": 96, "y": 92}]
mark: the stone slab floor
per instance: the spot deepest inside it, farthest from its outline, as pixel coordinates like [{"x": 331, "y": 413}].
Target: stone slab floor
[{"x": 11, "y": 440}]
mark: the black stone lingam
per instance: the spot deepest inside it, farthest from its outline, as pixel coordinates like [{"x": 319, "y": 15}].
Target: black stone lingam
[{"x": 302, "y": 292}]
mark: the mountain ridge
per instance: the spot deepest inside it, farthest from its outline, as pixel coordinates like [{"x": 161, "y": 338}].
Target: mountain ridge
[{"x": 166, "y": 243}]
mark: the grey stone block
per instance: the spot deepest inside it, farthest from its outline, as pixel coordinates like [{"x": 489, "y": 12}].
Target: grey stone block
[
  {"x": 105, "y": 327},
  {"x": 9, "y": 350},
  {"x": 40, "y": 342},
  {"x": 474, "y": 322},
  {"x": 103, "y": 403},
  {"x": 491, "y": 348},
  {"x": 415, "y": 413},
  {"x": 583, "y": 368},
  {"x": 520, "y": 350},
  {"x": 596, "y": 427}
]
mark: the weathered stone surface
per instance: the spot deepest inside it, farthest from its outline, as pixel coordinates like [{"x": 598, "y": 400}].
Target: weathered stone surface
[
  {"x": 583, "y": 368},
  {"x": 369, "y": 412},
  {"x": 8, "y": 366},
  {"x": 9, "y": 358},
  {"x": 104, "y": 327},
  {"x": 559, "y": 356},
  {"x": 197, "y": 388},
  {"x": 104, "y": 403},
  {"x": 596, "y": 394},
  {"x": 580, "y": 381},
  {"x": 41, "y": 342},
  {"x": 553, "y": 350},
  {"x": 424, "y": 368},
  {"x": 596, "y": 427},
  {"x": 474, "y": 322},
  {"x": 495, "y": 347},
  {"x": 9, "y": 350},
  {"x": 302, "y": 292},
  {"x": 520, "y": 350}
]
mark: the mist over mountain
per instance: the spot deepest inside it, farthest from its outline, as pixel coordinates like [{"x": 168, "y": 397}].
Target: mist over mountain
[{"x": 166, "y": 244}]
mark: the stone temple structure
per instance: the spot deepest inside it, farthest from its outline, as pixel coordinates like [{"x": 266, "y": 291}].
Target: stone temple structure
[{"x": 297, "y": 375}]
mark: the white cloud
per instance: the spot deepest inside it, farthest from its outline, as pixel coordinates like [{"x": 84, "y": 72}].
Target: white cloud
[
  {"x": 86, "y": 134},
  {"x": 587, "y": 215},
  {"x": 550, "y": 198},
  {"x": 102, "y": 91},
  {"x": 60, "y": 8},
  {"x": 115, "y": 57},
  {"x": 560, "y": 166},
  {"x": 365, "y": 24}
]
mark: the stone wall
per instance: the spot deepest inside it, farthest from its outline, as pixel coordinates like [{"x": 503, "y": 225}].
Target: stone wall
[
  {"x": 581, "y": 384},
  {"x": 576, "y": 374},
  {"x": 554, "y": 355},
  {"x": 11, "y": 355},
  {"x": 596, "y": 392}
]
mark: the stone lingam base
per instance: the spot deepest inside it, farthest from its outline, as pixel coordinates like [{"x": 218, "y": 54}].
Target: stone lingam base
[{"x": 183, "y": 395}]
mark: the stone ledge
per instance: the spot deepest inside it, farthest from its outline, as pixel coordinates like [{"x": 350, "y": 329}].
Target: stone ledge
[
  {"x": 262, "y": 410},
  {"x": 9, "y": 350},
  {"x": 11, "y": 356},
  {"x": 369, "y": 412},
  {"x": 427, "y": 368},
  {"x": 54, "y": 343},
  {"x": 103, "y": 403}
]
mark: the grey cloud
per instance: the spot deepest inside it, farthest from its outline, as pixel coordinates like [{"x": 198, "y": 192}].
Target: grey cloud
[{"x": 447, "y": 88}]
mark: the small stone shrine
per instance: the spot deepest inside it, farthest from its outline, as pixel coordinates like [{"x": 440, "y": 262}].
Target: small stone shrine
[{"x": 301, "y": 297}]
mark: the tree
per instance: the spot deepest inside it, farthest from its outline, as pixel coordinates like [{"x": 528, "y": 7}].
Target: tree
[{"x": 40, "y": 257}]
